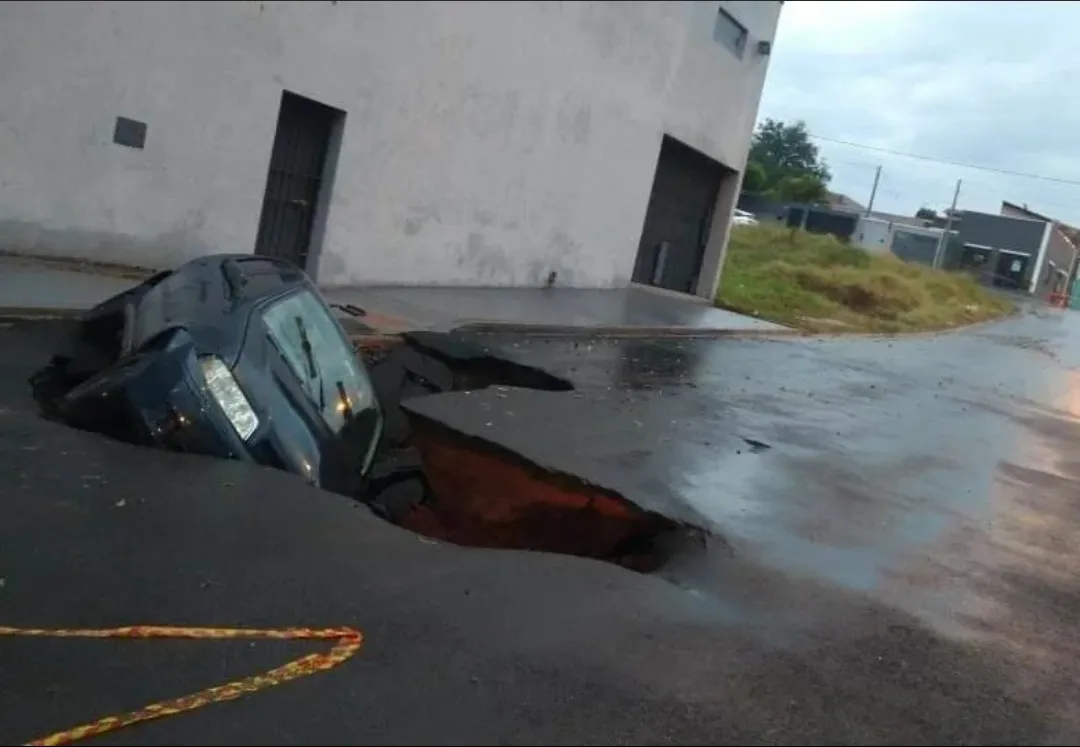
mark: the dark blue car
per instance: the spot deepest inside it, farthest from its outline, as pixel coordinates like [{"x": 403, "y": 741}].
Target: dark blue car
[{"x": 233, "y": 356}]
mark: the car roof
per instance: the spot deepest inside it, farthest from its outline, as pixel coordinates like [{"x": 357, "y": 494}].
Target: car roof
[
  {"x": 212, "y": 298},
  {"x": 250, "y": 277}
]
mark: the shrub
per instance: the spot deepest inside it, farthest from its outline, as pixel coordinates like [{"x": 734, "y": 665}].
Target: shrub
[{"x": 817, "y": 282}]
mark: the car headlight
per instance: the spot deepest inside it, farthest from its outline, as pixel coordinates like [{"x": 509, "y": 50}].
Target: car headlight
[{"x": 230, "y": 397}]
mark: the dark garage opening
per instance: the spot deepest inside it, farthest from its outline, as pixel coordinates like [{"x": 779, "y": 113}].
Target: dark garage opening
[{"x": 677, "y": 221}]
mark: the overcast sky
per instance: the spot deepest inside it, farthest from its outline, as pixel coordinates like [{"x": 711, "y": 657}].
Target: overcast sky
[{"x": 988, "y": 83}]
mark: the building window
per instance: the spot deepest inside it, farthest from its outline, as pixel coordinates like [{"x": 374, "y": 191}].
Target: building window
[{"x": 730, "y": 32}]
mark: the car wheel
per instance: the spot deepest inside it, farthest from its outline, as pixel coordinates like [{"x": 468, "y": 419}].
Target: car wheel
[
  {"x": 93, "y": 405},
  {"x": 48, "y": 386},
  {"x": 66, "y": 371}
]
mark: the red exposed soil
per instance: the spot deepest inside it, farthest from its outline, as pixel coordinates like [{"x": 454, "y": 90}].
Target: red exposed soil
[{"x": 484, "y": 498}]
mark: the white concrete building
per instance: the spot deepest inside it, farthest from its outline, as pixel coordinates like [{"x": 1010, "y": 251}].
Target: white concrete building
[{"x": 451, "y": 143}]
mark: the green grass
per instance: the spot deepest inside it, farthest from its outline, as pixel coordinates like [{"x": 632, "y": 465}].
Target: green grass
[{"x": 817, "y": 283}]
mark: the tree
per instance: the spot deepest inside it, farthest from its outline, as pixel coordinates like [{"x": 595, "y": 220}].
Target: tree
[
  {"x": 754, "y": 179},
  {"x": 801, "y": 188},
  {"x": 926, "y": 213},
  {"x": 786, "y": 163}
]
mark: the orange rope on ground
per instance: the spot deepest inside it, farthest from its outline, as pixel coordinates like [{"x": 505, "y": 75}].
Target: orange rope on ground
[{"x": 347, "y": 643}]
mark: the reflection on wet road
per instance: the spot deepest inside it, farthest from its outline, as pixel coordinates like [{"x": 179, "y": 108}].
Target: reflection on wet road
[{"x": 911, "y": 469}]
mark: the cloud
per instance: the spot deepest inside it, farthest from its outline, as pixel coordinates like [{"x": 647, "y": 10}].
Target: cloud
[{"x": 987, "y": 83}]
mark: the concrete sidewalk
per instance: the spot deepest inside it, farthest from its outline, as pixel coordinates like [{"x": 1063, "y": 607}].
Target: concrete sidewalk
[
  {"x": 39, "y": 287},
  {"x": 35, "y": 287},
  {"x": 614, "y": 311}
]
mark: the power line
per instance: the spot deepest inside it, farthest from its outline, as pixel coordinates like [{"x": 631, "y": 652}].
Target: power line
[
  {"x": 921, "y": 181},
  {"x": 984, "y": 189},
  {"x": 947, "y": 162},
  {"x": 924, "y": 180}
]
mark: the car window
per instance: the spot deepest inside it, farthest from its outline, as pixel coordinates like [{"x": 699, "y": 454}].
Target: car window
[{"x": 333, "y": 379}]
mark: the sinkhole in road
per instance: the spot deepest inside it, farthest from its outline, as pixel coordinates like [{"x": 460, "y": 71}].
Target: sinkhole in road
[
  {"x": 446, "y": 485},
  {"x": 483, "y": 496},
  {"x": 439, "y": 483}
]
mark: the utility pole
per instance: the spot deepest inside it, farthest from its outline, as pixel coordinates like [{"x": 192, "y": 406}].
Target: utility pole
[
  {"x": 873, "y": 191},
  {"x": 939, "y": 253}
]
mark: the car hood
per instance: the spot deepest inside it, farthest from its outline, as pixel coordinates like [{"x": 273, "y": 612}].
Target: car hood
[{"x": 293, "y": 435}]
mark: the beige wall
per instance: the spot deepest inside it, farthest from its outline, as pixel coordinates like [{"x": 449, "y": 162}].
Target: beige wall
[{"x": 484, "y": 143}]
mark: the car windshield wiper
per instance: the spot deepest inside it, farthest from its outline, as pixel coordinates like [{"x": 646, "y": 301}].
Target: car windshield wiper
[
  {"x": 309, "y": 356},
  {"x": 346, "y": 406}
]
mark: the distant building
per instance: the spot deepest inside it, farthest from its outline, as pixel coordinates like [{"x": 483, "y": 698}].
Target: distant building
[
  {"x": 1060, "y": 254},
  {"x": 910, "y": 239},
  {"x": 837, "y": 201},
  {"x": 1016, "y": 249}
]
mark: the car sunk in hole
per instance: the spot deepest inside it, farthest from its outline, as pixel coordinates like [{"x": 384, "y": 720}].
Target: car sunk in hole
[{"x": 234, "y": 356}]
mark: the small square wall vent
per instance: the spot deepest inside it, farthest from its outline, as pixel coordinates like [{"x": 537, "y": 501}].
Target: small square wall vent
[{"x": 130, "y": 132}]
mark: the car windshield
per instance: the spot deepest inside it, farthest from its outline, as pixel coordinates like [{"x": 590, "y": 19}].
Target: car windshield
[{"x": 325, "y": 364}]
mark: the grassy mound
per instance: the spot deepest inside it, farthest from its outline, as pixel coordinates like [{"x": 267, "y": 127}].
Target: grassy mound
[{"x": 818, "y": 283}]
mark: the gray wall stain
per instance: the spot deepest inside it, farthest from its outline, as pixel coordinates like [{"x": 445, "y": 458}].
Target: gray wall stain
[
  {"x": 574, "y": 122},
  {"x": 492, "y": 113},
  {"x": 332, "y": 264},
  {"x": 164, "y": 250},
  {"x": 563, "y": 246},
  {"x": 419, "y": 216},
  {"x": 558, "y": 258},
  {"x": 490, "y": 263}
]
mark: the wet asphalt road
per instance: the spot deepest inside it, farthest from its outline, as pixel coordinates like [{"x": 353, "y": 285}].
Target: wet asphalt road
[
  {"x": 898, "y": 566},
  {"x": 888, "y": 467}
]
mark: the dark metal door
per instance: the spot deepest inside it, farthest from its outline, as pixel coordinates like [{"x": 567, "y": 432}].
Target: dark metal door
[
  {"x": 297, "y": 163},
  {"x": 1010, "y": 270},
  {"x": 678, "y": 217}
]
